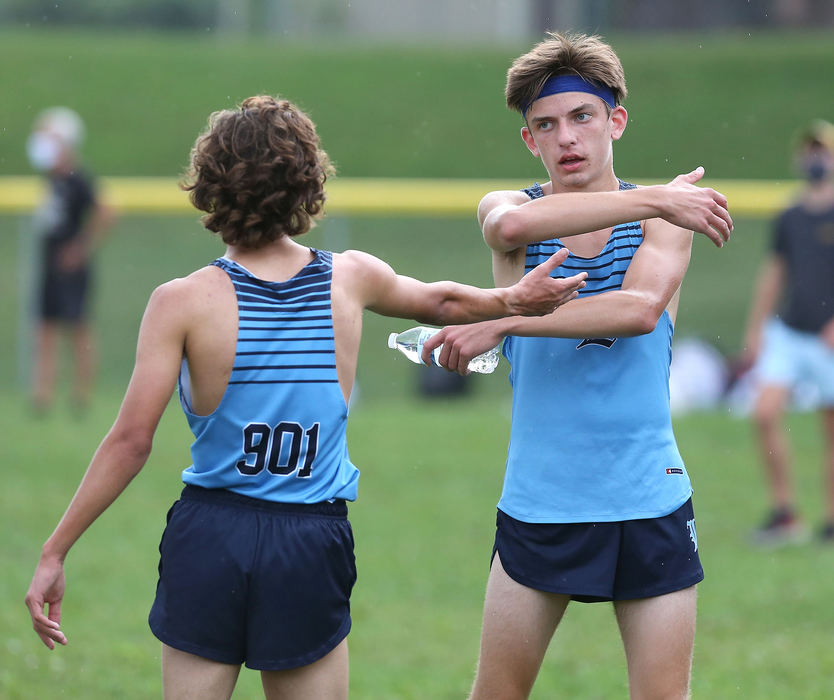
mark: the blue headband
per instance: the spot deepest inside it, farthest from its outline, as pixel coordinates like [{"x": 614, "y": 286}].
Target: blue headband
[{"x": 572, "y": 83}]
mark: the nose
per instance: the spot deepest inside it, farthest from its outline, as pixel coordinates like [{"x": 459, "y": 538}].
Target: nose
[{"x": 565, "y": 134}]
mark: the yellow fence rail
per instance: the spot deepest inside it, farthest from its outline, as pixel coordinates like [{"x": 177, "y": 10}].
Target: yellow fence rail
[{"x": 372, "y": 196}]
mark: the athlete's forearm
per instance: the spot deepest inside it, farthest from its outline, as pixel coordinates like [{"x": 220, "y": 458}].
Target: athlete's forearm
[
  {"x": 569, "y": 214},
  {"x": 617, "y": 314},
  {"x": 452, "y": 303}
]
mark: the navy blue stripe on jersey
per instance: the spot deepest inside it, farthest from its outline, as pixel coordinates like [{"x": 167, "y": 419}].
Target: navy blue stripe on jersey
[
  {"x": 613, "y": 260},
  {"x": 284, "y": 381},
  {"x": 287, "y": 320},
  {"x": 283, "y": 327},
  {"x": 293, "y": 306}
]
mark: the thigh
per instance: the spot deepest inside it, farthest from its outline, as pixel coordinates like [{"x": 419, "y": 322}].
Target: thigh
[
  {"x": 658, "y": 555},
  {"x": 778, "y": 362},
  {"x": 658, "y": 636},
  {"x": 299, "y": 593},
  {"x": 201, "y": 595},
  {"x": 821, "y": 370},
  {"x": 189, "y": 677},
  {"x": 325, "y": 679},
  {"x": 518, "y": 625}
]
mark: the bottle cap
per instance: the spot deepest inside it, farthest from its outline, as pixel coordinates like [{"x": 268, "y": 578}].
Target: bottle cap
[{"x": 392, "y": 341}]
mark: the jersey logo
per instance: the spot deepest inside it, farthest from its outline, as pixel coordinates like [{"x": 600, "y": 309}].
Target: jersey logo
[
  {"x": 605, "y": 342},
  {"x": 674, "y": 470},
  {"x": 690, "y": 525}
]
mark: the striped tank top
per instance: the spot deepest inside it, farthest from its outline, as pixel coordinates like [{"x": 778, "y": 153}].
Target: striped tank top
[
  {"x": 591, "y": 437},
  {"x": 278, "y": 433}
]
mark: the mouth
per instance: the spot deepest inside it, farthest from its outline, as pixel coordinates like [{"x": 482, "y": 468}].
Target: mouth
[{"x": 571, "y": 161}]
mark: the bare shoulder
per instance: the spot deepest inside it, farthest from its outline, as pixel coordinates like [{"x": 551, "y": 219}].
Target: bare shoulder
[
  {"x": 187, "y": 296},
  {"x": 357, "y": 264},
  {"x": 362, "y": 277}
]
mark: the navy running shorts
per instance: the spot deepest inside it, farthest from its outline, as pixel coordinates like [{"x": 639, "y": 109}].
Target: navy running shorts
[
  {"x": 64, "y": 295},
  {"x": 594, "y": 562},
  {"x": 242, "y": 580}
]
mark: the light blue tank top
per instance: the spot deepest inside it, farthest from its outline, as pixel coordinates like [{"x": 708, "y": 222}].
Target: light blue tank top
[
  {"x": 591, "y": 437},
  {"x": 278, "y": 433}
]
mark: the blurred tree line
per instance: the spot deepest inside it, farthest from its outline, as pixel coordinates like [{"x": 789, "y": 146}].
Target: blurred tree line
[{"x": 311, "y": 17}]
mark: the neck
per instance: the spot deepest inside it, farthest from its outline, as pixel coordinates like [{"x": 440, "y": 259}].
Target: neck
[
  {"x": 277, "y": 260},
  {"x": 604, "y": 183},
  {"x": 819, "y": 195}
]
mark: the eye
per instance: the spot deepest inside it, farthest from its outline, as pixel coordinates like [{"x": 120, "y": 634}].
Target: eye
[
  {"x": 583, "y": 116},
  {"x": 545, "y": 125}
]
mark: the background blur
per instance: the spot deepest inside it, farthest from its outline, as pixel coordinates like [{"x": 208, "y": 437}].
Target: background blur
[{"x": 412, "y": 89}]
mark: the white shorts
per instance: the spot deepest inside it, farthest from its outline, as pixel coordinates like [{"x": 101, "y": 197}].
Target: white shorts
[{"x": 790, "y": 358}]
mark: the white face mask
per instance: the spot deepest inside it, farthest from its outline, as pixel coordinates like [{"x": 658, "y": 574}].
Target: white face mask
[{"x": 44, "y": 151}]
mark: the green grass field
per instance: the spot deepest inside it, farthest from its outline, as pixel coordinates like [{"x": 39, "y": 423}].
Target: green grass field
[{"x": 432, "y": 472}]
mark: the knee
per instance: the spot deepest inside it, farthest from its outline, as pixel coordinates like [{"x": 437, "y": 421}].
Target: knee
[{"x": 767, "y": 414}]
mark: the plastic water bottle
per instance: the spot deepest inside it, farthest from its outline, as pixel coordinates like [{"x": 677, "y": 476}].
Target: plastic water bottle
[{"x": 410, "y": 343}]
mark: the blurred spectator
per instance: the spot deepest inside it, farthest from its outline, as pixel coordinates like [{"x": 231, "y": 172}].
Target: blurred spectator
[
  {"x": 69, "y": 223},
  {"x": 794, "y": 342},
  {"x": 698, "y": 376}
]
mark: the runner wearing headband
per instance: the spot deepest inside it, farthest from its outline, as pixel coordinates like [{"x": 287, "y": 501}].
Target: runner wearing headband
[{"x": 596, "y": 504}]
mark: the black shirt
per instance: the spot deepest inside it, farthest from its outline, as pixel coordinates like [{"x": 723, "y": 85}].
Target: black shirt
[{"x": 804, "y": 240}]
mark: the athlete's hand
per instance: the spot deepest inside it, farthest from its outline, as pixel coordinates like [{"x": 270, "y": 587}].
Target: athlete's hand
[
  {"x": 538, "y": 294},
  {"x": 698, "y": 209},
  {"x": 462, "y": 343},
  {"x": 47, "y": 588}
]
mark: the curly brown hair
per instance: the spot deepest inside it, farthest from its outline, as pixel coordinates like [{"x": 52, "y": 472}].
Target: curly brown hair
[
  {"x": 258, "y": 172},
  {"x": 587, "y": 56}
]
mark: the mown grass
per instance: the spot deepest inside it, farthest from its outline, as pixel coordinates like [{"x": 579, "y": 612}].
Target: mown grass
[{"x": 431, "y": 474}]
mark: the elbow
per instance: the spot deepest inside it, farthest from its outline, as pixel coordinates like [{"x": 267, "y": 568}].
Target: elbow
[
  {"x": 132, "y": 446},
  {"x": 645, "y": 323},
  {"x": 645, "y": 317},
  {"x": 506, "y": 231}
]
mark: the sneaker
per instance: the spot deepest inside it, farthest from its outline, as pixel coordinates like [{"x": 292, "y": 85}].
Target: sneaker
[
  {"x": 782, "y": 527},
  {"x": 827, "y": 532}
]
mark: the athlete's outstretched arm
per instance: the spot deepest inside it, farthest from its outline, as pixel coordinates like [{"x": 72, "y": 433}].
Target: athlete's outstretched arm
[
  {"x": 510, "y": 220},
  {"x": 119, "y": 457},
  {"x": 390, "y": 294},
  {"x": 649, "y": 288}
]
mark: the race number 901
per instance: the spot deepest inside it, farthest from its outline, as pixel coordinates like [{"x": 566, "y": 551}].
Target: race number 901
[{"x": 279, "y": 450}]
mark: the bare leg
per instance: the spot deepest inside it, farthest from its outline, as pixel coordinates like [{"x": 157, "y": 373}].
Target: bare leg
[
  {"x": 85, "y": 356},
  {"x": 658, "y": 636},
  {"x": 189, "y": 677},
  {"x": 326, "y": 679},
  {"x": 828, "y": 467},
  {"x": 518, "y": 625},
  {"x": 773, "y": 443},
  {"x": 46, "y": 357}
]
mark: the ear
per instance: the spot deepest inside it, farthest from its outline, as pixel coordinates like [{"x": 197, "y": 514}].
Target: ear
[
  {"x": 619, "y": 121},
  {"x": 529, "y": 141}
]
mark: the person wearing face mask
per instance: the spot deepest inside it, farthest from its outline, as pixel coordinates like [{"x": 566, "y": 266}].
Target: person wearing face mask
[
  {"x": 790, "y": 333},
  {"x": 69, "y": 222}
]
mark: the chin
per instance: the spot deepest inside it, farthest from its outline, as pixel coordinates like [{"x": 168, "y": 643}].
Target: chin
[{"x": 575, "y": 180}]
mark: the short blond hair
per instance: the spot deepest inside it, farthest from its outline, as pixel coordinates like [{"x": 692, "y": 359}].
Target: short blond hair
[{"x": 584, "y": 55}]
